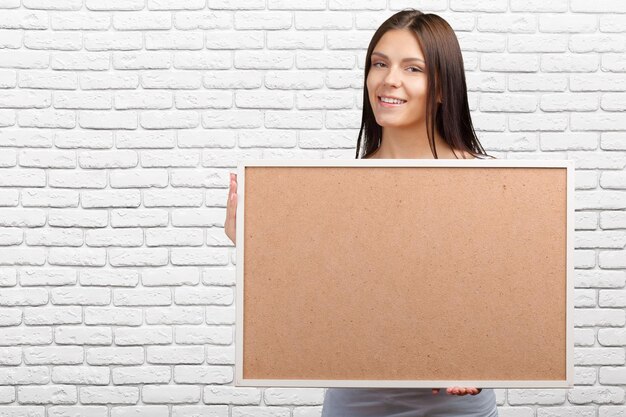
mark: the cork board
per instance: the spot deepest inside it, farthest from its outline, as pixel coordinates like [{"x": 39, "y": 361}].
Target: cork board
[{"x": 405, "y": 273}]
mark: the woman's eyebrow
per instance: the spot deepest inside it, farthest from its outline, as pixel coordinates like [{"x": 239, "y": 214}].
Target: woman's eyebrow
[{"x": 404, "y": 60}]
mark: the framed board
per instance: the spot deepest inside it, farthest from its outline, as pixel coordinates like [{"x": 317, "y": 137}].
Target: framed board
[{"x": 405, "y": 273}]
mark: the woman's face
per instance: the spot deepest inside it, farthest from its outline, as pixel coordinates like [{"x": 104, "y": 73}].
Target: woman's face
[{"x": 398, "y": 70}]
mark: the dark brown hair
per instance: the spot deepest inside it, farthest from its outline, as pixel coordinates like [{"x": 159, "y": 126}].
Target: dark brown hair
[{"x": 446, "y": 76}]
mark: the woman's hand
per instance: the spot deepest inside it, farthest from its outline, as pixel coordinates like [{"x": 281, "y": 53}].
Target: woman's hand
[
  {"x": 460, "y": 391},
  {"x": 231, "y": 209}
]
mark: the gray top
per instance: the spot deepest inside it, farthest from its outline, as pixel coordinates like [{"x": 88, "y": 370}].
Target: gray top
[{"x": 406, "y": 402}]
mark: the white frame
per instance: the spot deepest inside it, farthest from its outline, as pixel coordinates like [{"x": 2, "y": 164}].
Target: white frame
[{"x": 497, "y": 163}]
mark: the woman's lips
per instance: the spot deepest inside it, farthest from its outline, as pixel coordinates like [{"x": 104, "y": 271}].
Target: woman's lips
[{"x": 383, "y": 104}]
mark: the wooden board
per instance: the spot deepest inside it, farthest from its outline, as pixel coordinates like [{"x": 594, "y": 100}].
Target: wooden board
[{"x": 404, "y": 273}]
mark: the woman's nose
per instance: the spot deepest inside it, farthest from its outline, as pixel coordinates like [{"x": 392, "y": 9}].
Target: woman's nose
[{"x": 392, "y": 78}]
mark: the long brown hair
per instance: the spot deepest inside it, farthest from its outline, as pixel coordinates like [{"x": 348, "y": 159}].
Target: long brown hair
[{"x": 446, "y": 76}]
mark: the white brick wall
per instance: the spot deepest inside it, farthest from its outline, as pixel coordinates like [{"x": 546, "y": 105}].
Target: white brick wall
[{"x": 120, "y": 121}]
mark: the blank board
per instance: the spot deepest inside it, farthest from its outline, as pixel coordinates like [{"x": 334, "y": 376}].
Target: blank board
[{"x": 405, "y": 273}]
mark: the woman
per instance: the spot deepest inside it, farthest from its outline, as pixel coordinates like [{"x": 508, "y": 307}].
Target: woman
[{"x": 414, "y": 106}]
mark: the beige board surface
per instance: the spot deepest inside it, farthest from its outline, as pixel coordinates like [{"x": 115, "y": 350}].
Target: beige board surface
[{"x": 404, "y": 273}]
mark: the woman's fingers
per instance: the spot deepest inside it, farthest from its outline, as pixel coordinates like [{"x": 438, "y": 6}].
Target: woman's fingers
[
  {"x": 463, "y": 390},
  {"x": 231, "y": 209}
]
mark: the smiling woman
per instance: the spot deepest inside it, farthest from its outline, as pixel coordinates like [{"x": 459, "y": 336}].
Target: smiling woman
[{"x": 415, "y": 96}]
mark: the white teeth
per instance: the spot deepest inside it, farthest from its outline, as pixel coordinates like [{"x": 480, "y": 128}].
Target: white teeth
[{"x": 392, "y": 100}]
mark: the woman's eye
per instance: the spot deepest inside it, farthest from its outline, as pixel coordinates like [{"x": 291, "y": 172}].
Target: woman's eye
[
  {"x": 413, "y": 69},
  {"x": 416, "y": 69}
]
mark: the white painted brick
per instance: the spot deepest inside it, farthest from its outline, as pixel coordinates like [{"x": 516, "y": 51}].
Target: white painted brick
[
  {"x": 199, "y": 411},
  {"x": 113, "y": 316},
  {"x": 168, "y": 394},
  {"x": 142, "y": 60},
  {"x": 532, "y": 122},
  {"x": 612, "y": 23},
  {"x": 146, "y": 297},
  {"x": 56, "y": 119},
  {"x": 38, "y": 316},
  {"x": 599, "y": 317},
  {"x": 108, "y": 41},
  {"x": 534, "y": 82},
  {"x": 8, "y": 277},
  {"x": 249, "y": 39},
  {"x": 152, "y": 335},
  {"x": 596, "y": 395},
  {"x": 95, "y": 81},
  {"x": 78, "y": 218},
  {"x": 220, "y": 315},
  {"x": 22, "y": 256},
  {"x": 569, "y": 62},
  {"x": 138, "y": 178},
  {"x": 586, "y": 180},
  {"x": 10, "y": 236},
  {"x": 54, "y": 237},
  {"x": 176, "y": 4},
  {"x": 141, "y": 375},
  {"x": 108, "y": 159},
  {"x": 115, "y": 4},
  {"x": 86, "y": 411},
  {"x": 82, "y": 100},
  {"x": 105, "y": 277},
  {"x": 62, "y": 41},
  {"x": 23, "y": 19},
  {"x": 143, "y": 139},
  {"x": 536, "y": 396},
  {"x": 196, "y": 374},
  {"x": 80, "y": 296},
  {"x": 142, "y": 21},
  {"x": 24, "y": 59},
  {"x": 107, "y": 120},
  {"x": 25, "y": 99},
  {"x": 568, "y": 141},
  {"x": 110, "y": 198},
  {"x": 174, "y": 315},
  {"x": 140, "y": 411},
  {"x": 8, "y": 118},
  {"x": 203, "y": 20},
  {"x": 8, "y": 158},
  {"x": 49, "y": 394},
  {"x": 47, "y": 159},
  {"x": 175, "y": 354},
  {"x": 509, "y": 62},
  {"x": 139, "y": 218},
  {"x": 109, "y": 395},
  {"x": 560, "y": 102},
  {"x": 115, "y": 356},
  {"x": 56, "y": 5},
  {"x": 174, "y": 40},
  {"x": 170, "y": 79},
  {"x": 597, "y": 43},
  {"x": 612, "y": 259},
  {"x": 173, "y": 198},
  {"x": 11, "y": 38},
  {"x": 613, "y": 102},
  {"x": 218, "y": 276},
  {"x": 10, "y": 317},
  {"x": 8, "y": 78},
  {"x": 293, "y": 396},
  {"x": 83, "y": 139},
  {"x": 83, "y": 335},
  {"x": 507, "y": 103},
  {"x": 613, "y": 141},
  {"x": 76, "y": 257},
  {"x": 173, "y": 119},
  {"x": 53, "y": 355},
  {"x": 82, "y": 375},
  {"x": 211, "y": 335},
  {"x": 220, "y": 355},
  {"x": 613, "y": 220},
  {"x": 597, "y": 82},
  {"x": 170, "y": 276},
  {"x": 22, "y": 217},
  {"x": 537, "y": 43},
  {"x": 197, "y": 256},
  {"x": 49, "y": 198},
  {"x": 279, "y": 60},
  {"x": 175, "y": 237},
  {"x": 220, "y": 138},
  {"x": 23, "y": 297},
  {"x": 613, "y": 180},
  {"x": 77, "y": 179},
  {"x": 201, "y": 99},
  {"x": 138, "y": 257},
  {"x": 114, "y": 237},
  {"x": 538, "y": 6},
  {"x": 79, "y": 21},
  {"x": 166, "y": 158},
  {"x": 9, "y": 198},
  {"x": 47, "y": 277},
  {"x": 514, "y": 23},
  {"x": 570, "y": 23},
  {"x": 597, "y": 121},
  {"x": 205, "y": 296},
  {"x": 143, "y": 100},
  {"x": 25, "y": 336},
  {"x": 602, "y": 6},
  {"x": 198, "y": 217}
]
